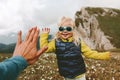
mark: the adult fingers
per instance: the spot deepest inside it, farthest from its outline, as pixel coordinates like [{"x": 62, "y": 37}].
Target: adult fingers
[
  {"x": 19, "y": 39},
  {"x": 34, "y": 58},
  {"x": 28, "y": 34},
  {"x": 35, "y": 38},
  {"x": 32, "y": 34},
  {"x": 41, "y": 51}
]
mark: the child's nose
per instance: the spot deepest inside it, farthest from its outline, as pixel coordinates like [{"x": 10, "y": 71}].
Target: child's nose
[{"x": 65, "y": 30}]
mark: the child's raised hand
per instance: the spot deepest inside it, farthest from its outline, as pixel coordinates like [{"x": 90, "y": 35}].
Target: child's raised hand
[{"x": 45, "y": 30}]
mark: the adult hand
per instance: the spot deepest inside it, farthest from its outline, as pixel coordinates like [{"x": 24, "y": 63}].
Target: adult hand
[
  {"x": 27, "y": 48},
  {"x": 46, "y": 30}
]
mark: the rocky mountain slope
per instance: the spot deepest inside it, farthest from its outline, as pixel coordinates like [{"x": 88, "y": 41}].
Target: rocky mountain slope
[{"x": 90, "y": 29}]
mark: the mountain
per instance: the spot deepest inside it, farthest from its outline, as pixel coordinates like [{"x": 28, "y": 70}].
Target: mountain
[
  {"x": 8, "y": 38},
  {"x": 99, "y": 27},
  {"x": 7, "y": 48},
  {"x": 10, "y": 47},
  {"x": 2, "y": 45}
]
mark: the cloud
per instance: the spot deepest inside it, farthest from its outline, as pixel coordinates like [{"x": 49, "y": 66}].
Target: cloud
[
  {"x": 103, "y": 3},
  {"x": 18, "y": 15}
]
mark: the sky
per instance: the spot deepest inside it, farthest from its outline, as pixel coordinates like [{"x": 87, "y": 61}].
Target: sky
[{"x": 18, "y": 15}]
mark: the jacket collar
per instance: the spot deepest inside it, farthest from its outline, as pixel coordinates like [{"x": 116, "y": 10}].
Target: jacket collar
[{"x": 68, "y": 40}]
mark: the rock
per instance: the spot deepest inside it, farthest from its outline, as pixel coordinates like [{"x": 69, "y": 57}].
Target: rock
[{"x": 90, "y": 32}]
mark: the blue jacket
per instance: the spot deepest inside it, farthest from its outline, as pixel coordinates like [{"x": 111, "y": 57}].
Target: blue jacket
[
  {"x": 70, "y": 60},
  {"x": 10, "y": 68}
]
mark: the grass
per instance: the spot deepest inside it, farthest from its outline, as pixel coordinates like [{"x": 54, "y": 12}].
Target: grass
[
  {"x": 115, "y": 50},
  {"x": 96, "y": 10},
  {"x": 111, "y": 26}
]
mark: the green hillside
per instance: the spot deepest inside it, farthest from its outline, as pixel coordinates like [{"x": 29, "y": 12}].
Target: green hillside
[
  {"x": 10, "y": 47},
  {"x": 110, "y": 25}
]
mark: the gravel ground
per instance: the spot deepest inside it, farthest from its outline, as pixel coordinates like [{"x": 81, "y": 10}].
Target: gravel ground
[{"x": 46, "y": 68}]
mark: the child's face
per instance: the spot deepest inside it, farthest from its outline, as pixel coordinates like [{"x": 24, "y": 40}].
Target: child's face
[{"x": 65, "y": 32}]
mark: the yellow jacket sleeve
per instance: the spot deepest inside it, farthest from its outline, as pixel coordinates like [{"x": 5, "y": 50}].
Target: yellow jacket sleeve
[
  {"x": 44, "y": 42},
  {"x": 87, "y": 52}
]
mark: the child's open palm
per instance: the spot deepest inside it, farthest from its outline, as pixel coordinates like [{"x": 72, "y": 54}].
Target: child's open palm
[{"x": 45, "y": 30}]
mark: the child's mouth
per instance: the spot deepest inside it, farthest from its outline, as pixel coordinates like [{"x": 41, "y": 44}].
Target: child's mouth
[{"x": 65, "y": 34}]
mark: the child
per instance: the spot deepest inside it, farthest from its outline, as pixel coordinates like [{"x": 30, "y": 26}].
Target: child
[{"x": 69, "y": 50}]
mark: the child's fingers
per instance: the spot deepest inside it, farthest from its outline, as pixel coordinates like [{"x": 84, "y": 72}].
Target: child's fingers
[{"x": 45, "y": 30}]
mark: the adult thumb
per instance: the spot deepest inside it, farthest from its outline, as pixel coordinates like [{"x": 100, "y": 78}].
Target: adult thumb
[{"x": 41, "y": 51}]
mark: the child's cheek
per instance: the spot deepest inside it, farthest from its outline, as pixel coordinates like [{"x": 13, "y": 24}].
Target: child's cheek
[{"x": 59, "y": 35}]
